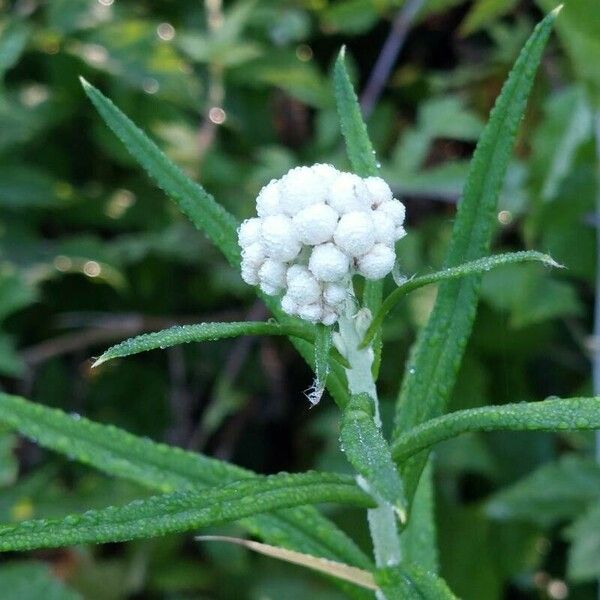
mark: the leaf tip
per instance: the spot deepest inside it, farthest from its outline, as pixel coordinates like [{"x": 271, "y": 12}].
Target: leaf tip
[
  {"x": 401, "y": 514},
  {"x": 550, "y": 262},
  {"x": 557, "y": 10},
  {"x": 98, "y": 361},
  {"x": 84, "y": 83}
]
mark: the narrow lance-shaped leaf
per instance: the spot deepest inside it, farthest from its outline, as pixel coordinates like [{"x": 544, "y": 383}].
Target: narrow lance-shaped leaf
[
  {"x": 322, "y": 351},
  {"x": 481, "y": 265},
  {"x": 166, "y": 469},
  {"x": 335, "y": 569},
  {"x": 368, "y": 452},
  {"x": 432, "y": 368},
  {"x": 183, "y": 511},
  {"x": 201, "y": 332},
  {"x": 363, "y": 160},
  {"x": 411, "y": 582},
  {"x": 358, "y": 145},
  {"x": 548, "y": 415},
  {"x": 197, "y": 204},
  {"x": 418, "y": 539}
]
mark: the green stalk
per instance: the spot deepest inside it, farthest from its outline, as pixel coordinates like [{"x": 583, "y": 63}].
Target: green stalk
[{"x": 382, "y": 520}]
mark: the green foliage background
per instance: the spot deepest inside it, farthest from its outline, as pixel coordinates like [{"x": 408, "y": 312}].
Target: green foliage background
[{"x": 91, "y": 252}]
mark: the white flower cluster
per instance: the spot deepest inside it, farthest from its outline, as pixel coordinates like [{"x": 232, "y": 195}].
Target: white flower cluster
[{"x": 316, "y": 227}]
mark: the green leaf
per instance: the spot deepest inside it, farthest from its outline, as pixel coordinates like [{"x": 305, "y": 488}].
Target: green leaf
[
  {"x": 362, "y": 158},
  {"x": 32, "y": 581},
  {"x": 323, "y": 344},
  {"x": 432, "y": 368},
  {"x": 483, "y": 13},
  {"x": 11, "y": 363},
  {"x": 549, "y": 415},
  {"x": 554, "y": 492},
  {"x": 183, "y": 511},
  {"x": 358, "y": 145},
  {"x": 418, "y": 540},
  {"x": 481, "y": 265},
  {"x": 368, "y": 452},
  {"x": 584, "y": 553},
  {"x": 167, "y": 469},
  {"x": 9, "y": 466},
  {"x": 410, "y": 582},
  {"x": 13, "y": 39},
  {"x": 202, "y": 332},
  {"x": 199, "y": 206}
]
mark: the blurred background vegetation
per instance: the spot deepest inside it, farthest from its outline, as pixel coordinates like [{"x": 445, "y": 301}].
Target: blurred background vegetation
[{"x": 237, "y": 93}]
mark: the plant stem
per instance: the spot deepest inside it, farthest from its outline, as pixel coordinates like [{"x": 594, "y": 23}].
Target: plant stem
[{"x": 382, "y": 520}]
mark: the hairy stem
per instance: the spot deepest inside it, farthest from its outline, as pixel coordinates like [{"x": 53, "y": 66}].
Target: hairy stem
[{"x": 382, "y": 520}]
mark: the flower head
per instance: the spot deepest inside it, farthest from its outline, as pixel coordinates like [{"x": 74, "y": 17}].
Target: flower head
[{"x": 316, "y": 227}]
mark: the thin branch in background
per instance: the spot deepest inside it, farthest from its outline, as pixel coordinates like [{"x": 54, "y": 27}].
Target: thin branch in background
[
  {"x": 104, "y": 329},
  {"x": 181, "y": 400},
  {"x": 231, "y": 370},
  {"x": 389, "y": 53}
]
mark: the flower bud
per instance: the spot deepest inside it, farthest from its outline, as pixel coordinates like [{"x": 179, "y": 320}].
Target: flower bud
[
  {"x": 289, "y": 305},
  {"x": 302, "y": 287},
  {"x": 348, "y": 193},
  {"x": 376, "y": 263},
  {"x": 310, "y": 312},
  {"x": 249, "y": 232},
  {"x": 316, "y": 224},
  {"x": 395, "y": 210},
  {"x": 328, "y": 263},
  {"x": 300, "y": 188},
  {"x": 383, "y": 226},
  {"x": 379, "y": 191},
  {"x": 267, "y": 203},
  {"x": 249, "y": 272},
  {"x": 329, "y": 316},
  {"x": 355, "y": 234},
  {"x": 335, "y": 294},
  {"x": 279, "y": 238},
  {"x": 272, "y": 273},
  {"x": 254, "y": 254}
]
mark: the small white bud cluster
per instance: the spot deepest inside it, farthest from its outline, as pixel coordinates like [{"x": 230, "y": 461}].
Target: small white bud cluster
[{"x": 316, "y": 227}]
